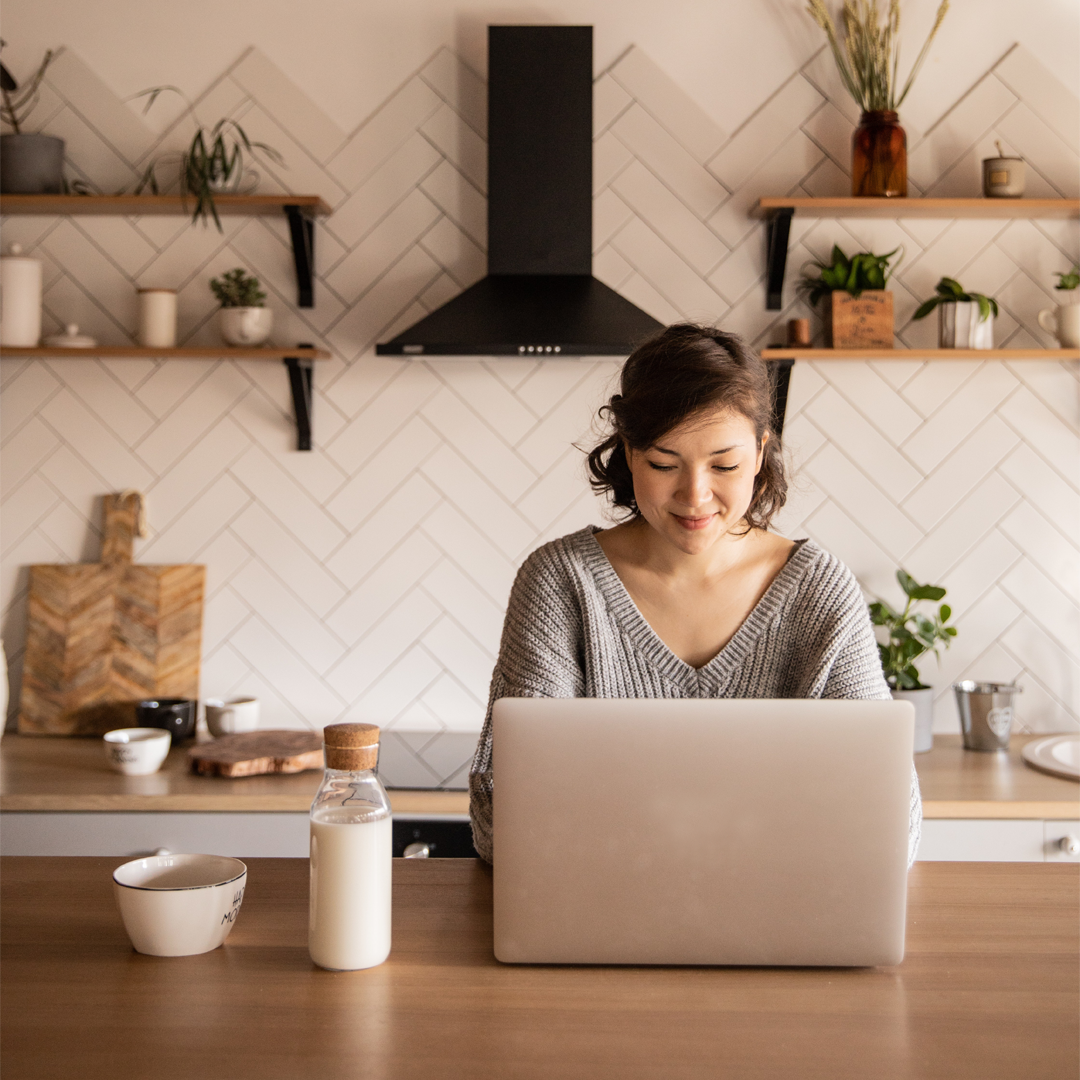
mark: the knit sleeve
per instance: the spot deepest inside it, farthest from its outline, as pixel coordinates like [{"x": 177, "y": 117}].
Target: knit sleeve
[
  {"x": 540, "y": 656},
  {"x": 854, "y": 671}
]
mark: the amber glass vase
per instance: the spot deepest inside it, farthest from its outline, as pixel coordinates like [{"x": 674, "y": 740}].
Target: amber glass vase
[{"x": 879, "y": 156}]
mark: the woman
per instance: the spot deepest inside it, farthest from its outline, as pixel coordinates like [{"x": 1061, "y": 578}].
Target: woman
[{"x": 691, "y": 595}]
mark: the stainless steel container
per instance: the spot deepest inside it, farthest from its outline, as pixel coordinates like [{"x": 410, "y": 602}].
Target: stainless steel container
[{"x": 986, "y": 713}]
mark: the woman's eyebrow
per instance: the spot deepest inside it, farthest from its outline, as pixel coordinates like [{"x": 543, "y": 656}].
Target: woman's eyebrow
[{"x": 713, "y": 453}]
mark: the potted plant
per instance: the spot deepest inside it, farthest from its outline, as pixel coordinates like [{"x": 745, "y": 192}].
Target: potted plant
[
  {"x": 213, "y": 164},
  {"x": 965, "y": 319},
  {"x": 859, "y": 313},
  {"x": 243, "y": 318},
  {"x": 908, "y": 634},
  {"x": 30, "y": 163},
  {"x": 1064, "y": 321},
  {"x": 869, "y": 62}
]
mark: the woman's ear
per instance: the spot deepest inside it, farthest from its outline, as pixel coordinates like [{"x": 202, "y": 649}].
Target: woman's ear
[{"x": 761, "y": 452}]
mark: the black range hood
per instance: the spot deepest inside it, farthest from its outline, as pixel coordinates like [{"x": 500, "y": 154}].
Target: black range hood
[{"x": 539, "y": 295}]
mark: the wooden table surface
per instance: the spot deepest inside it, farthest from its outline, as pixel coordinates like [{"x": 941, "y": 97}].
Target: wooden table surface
[
  {"x": 71, "y": 774},
  {"x": 988, "y": 991}
]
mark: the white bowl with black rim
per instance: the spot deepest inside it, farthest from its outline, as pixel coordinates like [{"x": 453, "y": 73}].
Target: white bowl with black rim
[{"x": 179, "y": 905}]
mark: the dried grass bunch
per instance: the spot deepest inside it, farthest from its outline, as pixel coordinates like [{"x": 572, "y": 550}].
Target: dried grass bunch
[{"x": 869, "y": 59}]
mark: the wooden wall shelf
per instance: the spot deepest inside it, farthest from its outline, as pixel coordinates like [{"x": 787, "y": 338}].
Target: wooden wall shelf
[
  {"x": 298, "y": 360},
  {"x": 135, "y": 205},
  {"x": 779, "y": 352},
  {"x": 300, "y": 210},
  {"x": 923, "y": 208},
  {"x": 121, "y": 352}
]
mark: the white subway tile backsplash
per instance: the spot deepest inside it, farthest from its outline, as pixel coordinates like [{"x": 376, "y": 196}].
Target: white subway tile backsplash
[{"x": 393, "y": 546}]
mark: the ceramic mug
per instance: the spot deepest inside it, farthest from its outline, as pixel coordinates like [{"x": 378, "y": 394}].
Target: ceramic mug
[
  {"x": 137, "y": 751},
  {"x": 1064, "y": 323},
  {"x": 231, "y": 717},
  {"x": 175, "y": 715}
]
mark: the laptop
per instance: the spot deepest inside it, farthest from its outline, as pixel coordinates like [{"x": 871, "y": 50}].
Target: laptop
[{"x": 652, "y": 831}]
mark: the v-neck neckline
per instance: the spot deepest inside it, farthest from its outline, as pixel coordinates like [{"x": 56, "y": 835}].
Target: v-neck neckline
[{"x": 648, "y": 641}]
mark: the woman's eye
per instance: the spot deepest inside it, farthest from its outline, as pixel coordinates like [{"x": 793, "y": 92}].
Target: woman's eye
[
  {"x": 725, "y": 468},
  {"x": 660, "y": 468}
]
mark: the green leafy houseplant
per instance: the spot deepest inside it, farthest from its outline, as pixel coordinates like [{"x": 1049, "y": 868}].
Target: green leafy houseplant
[
  {"x": 869, "y": 58},
  {"x": 237, "y": 289},
  {"x": 911, "y": 633},
  {"x": 951, "y": 291},
  {"x": 1069, "y": 281},
  {"x": 862, "y": 271},
  {"x": 212, "y": 164}
]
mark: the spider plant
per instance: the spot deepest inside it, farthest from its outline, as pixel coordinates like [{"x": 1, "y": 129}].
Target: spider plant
[
  {"x": 213, "y": 161},
  {"x": 16, "y": 104},
  {"x": 869, "y": 58}
]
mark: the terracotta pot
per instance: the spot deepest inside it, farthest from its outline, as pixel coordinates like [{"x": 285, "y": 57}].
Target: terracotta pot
[{"x": 879, "y": 156}]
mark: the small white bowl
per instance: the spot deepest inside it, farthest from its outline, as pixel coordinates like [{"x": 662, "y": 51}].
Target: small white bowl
[
  {"x": 137, "y": 751},
  {"x": 231, "y": 717},
  {"x": 179, "y": 905}
]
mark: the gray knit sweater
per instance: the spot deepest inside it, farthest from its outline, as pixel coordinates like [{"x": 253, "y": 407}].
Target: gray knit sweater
[{"x": 572, "y": 630}]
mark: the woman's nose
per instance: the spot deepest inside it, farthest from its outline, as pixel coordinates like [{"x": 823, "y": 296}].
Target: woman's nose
[{"x": 694, "y": 491}]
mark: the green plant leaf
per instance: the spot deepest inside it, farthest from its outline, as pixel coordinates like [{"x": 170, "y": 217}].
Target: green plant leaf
[
  {"x": 907, "y": 582},
  {"x": 926, "y": 307},
  {"x": 928, "y": 592},
  {"x": 944, "y": 613},
  {"x": 950, "y": 288}
]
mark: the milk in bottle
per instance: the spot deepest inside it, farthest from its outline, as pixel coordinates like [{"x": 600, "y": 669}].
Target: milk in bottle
[{"x": 351, "y": 853}]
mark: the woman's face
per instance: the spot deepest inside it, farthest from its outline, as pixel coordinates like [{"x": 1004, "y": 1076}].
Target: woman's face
[{"x": 695, "y": 484}]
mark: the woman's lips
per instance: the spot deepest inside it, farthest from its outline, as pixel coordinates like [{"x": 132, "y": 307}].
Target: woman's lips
[{"x": 693, "y": 523}]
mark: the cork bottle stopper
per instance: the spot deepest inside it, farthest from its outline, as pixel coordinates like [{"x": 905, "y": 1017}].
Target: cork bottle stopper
[{"x": 351, "y": 747}]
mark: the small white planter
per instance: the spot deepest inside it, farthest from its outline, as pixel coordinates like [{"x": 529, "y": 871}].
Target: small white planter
[
  {"x": 959, "y": 326},
  {"x": 245, "y": 325},
  {"x": 923, "y": 700}
]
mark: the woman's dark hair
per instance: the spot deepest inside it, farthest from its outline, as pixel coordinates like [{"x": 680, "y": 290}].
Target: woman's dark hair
[{"x": 676, "y": 376}]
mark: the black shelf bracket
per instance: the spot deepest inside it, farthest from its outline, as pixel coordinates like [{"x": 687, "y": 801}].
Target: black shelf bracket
[
  {"x": 780, "y": 377},
  {"x": 779, "y": 227},
  {"x": 301, "y": 378},
  {"x": 302, "y": 233}
]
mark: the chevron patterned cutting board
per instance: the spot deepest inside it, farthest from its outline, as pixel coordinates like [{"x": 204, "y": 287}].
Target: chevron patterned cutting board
[{"x": 102, "y": 636}]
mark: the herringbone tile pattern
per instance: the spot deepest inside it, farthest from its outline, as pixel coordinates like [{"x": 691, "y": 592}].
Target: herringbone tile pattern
[{"x": 366, "y": 580}]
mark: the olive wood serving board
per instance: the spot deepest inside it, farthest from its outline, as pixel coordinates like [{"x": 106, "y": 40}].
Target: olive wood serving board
[
  {"x": 103, "y": 636},
  {"x": 254, "y": 753}
]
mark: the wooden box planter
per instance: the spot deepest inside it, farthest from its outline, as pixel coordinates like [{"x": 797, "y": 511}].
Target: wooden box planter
[{"x": 862, "y": 322}]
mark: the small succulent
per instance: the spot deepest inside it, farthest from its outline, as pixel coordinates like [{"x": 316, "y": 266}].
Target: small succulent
[
  {"x": 862, "y": 271},
  {"x": 911, "y": 633},
  {"x": 1071, "y": 280},
  {"x": 950, "y": 291},
  {"x": 238, "y": 289}
]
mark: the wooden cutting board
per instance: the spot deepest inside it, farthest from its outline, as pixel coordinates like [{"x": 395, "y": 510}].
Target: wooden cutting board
[
  {"x": 253, "y": 753},
  {"x": 102, "y": 636}
]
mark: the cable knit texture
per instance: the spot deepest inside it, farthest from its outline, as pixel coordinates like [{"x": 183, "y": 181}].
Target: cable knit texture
[{"x": 571, "y": 630}]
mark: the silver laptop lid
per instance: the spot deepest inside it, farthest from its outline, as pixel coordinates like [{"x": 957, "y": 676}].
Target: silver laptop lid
[{"x": 654, "y": 831}]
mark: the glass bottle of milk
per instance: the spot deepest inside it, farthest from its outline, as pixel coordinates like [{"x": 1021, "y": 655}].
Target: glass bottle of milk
[{"x": 351, "y": 854}]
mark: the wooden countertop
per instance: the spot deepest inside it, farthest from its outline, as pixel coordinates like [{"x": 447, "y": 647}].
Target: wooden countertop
[
  {"x": 39, "y": 773},
  {"x": 988, "y": 989}
]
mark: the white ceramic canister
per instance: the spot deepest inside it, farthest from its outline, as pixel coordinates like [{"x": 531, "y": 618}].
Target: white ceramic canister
[
  {"x": 157, "y": 318},
  {"x": 1064, "y": 323},
  {"x": 20, "y": 299}
]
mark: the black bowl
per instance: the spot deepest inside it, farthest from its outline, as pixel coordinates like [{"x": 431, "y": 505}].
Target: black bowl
[{"x": 175, "y": 715}]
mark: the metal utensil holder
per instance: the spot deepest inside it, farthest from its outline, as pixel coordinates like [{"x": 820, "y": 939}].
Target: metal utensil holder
[{"x": 986, "y": 713}]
